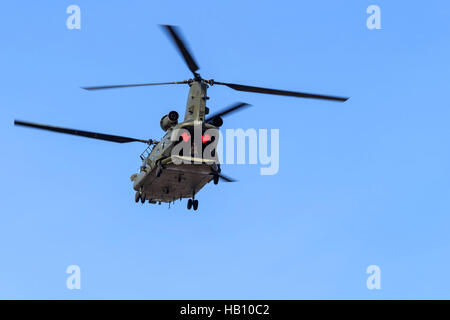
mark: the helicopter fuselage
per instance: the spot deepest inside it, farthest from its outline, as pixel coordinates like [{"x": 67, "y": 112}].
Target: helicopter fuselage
[{"x": 161, "y": 179}]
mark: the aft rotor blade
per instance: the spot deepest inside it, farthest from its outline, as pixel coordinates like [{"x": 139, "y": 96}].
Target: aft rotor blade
[
  {"x": 232, "y": 108},
  {"x": 175, "y": 35},
  {"x": 241, "y": 87},
  {"x": 87, "y": 134},
  {"x": 224, "y": 177},
  {"x": 132, "y": 85}
]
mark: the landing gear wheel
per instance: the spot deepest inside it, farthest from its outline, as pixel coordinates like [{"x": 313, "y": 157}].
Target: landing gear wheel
[
  {"x": 195, "y": 204},
  {"x": 216, "y": 179},
  {"x": 142, "y": 197},
  {"x": 189, "y": 204},
  {"x": 137, "y": 196}
]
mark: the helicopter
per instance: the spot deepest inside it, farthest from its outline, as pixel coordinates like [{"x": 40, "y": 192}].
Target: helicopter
[{"x": 176, "y": 167}]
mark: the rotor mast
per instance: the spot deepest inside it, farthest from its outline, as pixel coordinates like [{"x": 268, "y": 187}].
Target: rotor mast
[{"x": 196, "y": 101}]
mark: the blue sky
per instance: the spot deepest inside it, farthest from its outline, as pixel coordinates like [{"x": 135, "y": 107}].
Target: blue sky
[{"x": 360, "y": 183}]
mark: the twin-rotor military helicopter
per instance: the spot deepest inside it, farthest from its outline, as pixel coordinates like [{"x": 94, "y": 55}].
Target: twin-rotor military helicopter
[{"x": 166, "y": 176}]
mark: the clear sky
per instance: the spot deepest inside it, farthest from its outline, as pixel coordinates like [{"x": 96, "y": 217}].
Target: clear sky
[{"x": 362, "y": 183}]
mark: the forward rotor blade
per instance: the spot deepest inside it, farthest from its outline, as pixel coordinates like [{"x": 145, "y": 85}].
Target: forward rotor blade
[
  {"x": 87, "y": 134},
  {"x": 241, "y": 87},
  {"x": 174, "y": 34},
  {"x": 132, "y": 85},
  {"x": 228, "y": 110}
]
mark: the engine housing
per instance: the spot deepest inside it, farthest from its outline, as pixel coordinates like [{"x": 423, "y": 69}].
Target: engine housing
[{"x": 169, "y": 120}]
